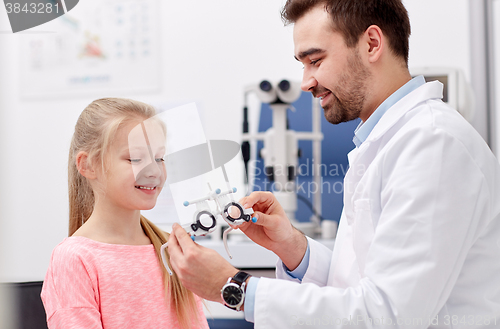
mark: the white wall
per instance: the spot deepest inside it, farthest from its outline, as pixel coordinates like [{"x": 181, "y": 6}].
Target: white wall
[
  {"x": 211, "y": 49},
  {"x": 495, "y": 54},
  {"x": 440, "y": 33}
]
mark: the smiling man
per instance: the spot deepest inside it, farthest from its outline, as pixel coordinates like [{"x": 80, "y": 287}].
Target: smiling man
[
  {"x": 418, "y": 244},
  {"x": 332, "y": 71}
]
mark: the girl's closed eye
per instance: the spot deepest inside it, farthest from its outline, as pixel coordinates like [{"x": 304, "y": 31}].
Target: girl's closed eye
[{"x": 135, "y": 161}]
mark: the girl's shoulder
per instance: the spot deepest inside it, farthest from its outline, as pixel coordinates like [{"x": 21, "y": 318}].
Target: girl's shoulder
[
  {"x": 80, "y": 244},
  {"x": 76, "y": 244},
  {"x": 84, "y": 255},
  {"x": 79, "y": 248},
  {"x": 91, "y": 257},
  {"x": 72, "y": 249},
  {"x": 72, "y": 259}
]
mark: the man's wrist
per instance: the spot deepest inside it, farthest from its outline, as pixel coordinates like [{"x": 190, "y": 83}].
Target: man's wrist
[
  {"x": 245, "y": 289},
  {"x": 293, "y": 252},
  {"x": 223, "y": 280},
  {"x": 233, "y": 291}
]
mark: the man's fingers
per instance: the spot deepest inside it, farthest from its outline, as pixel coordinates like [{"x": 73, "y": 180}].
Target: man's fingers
[
  {"x": 256, "y": 197},
  {"x": 259, "y": 218},
  {"x": 177, "y": 241},
  {"x": 173, "y": 244},
  {"x": 184, "y": 240}
]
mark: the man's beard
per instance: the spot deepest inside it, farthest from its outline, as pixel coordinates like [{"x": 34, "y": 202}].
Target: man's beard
[{"x": 347, "y": 102}]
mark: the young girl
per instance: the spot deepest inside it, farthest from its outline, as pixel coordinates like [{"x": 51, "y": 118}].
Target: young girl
[{"x": 108, "y": 273}]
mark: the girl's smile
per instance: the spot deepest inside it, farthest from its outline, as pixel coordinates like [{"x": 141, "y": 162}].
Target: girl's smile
[{"x": 136, "y": 171}]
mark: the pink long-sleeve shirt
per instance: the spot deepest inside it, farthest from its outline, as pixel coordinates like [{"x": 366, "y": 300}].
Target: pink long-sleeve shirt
[{"x": 91, "y": 284}]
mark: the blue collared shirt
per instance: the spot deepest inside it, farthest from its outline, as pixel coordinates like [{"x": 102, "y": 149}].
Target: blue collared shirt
[
  {"x": 365, "y": 128},
  {"x": 360, "y": 135}
]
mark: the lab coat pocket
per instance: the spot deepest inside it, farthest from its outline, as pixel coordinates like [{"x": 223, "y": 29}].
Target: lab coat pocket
[{"x": 363, "y": 231}]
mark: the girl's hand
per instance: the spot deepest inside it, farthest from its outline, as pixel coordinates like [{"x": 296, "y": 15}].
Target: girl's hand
[{"x": 271, "y": 229}]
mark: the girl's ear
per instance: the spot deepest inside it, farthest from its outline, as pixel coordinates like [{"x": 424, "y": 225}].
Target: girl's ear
[{"x": 84, "y": 166}]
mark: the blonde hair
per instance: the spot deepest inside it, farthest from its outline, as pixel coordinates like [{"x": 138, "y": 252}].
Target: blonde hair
[{"x": 94, "y": 133}]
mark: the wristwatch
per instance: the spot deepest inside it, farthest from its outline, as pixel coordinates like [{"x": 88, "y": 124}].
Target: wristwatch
[{"x": 233, "y": 292}]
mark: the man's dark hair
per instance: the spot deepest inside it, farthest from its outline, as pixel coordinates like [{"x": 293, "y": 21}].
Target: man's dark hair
[{"x": 352, "y": 17}]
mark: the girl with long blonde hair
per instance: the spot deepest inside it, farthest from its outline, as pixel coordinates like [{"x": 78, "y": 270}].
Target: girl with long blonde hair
[{"x": 108, "y": 272}]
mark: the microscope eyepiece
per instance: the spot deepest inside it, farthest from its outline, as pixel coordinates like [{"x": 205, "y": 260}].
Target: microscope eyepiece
[
  {"x": 265, "y": 86},
  {"x": 284, "y": 85}
]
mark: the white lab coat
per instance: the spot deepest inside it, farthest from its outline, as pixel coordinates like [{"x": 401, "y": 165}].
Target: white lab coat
[{"x": 418, "y": 244}]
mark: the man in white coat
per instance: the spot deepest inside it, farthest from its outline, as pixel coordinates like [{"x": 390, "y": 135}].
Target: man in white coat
[{"x": 418, "y": 244}]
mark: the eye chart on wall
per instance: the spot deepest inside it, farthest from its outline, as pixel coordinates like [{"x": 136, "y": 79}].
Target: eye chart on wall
[{"x": 100, "y": 46}]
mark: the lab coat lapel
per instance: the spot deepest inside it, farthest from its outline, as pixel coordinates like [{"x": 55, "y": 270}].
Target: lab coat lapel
[
  {"x": 344, "y": 270},
  {"x": 356, "y": 229},
  {"x": 361, "y": 158},
  {"x": 428, "y": 91}
]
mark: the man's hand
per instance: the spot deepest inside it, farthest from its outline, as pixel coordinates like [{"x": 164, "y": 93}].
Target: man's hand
[
  {"x": 273, "y": 230},
  {"x": 201, "y": 270}
]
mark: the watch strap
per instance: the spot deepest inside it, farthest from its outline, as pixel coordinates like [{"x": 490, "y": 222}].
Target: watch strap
[{"x": 240, "y": 277}]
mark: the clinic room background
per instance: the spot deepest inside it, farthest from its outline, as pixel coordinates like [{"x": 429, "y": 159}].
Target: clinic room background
[{"x": 198, "y": 51}]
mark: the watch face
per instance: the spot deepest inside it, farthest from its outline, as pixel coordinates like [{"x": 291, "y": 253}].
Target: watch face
[{"x": 232, "y": 295}]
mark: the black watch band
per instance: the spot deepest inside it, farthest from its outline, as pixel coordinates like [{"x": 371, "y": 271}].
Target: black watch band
[
  {"x": 233, "y": 292},
  {"x": 240, "y": 277}
]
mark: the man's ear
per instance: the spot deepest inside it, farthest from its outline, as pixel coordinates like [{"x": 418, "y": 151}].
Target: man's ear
[
  {"x": 375, "y": 43},
  {"x": 84, "y": 165}
]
